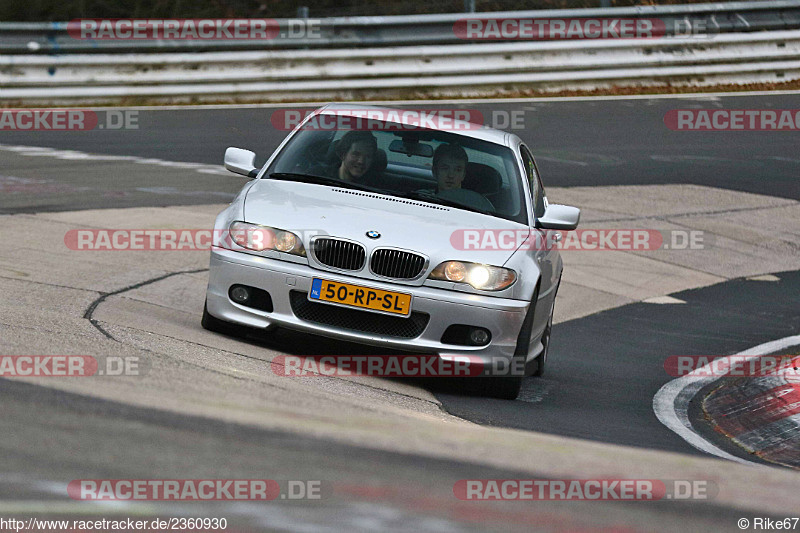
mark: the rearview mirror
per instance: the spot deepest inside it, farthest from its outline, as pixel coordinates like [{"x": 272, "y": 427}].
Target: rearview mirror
[
  {"x": 411, "y": 148},
  {"x": 241, "y": 161},
  {"x": 559, "y": 217}
]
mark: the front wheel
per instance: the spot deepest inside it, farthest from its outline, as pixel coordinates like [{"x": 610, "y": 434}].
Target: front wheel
[{"x": 541, "y": 361}]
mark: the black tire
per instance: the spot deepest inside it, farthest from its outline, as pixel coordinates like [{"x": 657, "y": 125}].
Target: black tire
[
  {"x": 508, "y": 387},
  {"x": 212, "y": 323},
  {"x": 541, "y": 361},
  {"x": 524, "y": 337}
]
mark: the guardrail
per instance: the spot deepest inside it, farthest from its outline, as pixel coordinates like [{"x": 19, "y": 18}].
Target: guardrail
[
  {"x": 351, "y": 32},
  {"x": 424, "y": 71}
]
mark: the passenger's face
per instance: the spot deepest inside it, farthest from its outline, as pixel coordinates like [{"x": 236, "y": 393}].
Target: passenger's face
[
  {"x": 358, "y": 159},
  {"x": 449, "y": 173}
]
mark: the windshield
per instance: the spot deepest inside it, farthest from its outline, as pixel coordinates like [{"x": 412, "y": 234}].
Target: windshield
[{"x": 427, "y": 165}]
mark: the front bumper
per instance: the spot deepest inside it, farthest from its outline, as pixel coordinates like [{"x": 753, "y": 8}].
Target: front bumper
[{"x": 501, "y": 316}]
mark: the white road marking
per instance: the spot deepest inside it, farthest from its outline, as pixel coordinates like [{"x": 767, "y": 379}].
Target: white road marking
[
  {"x": 671, "y": 402},
  {"x": 175, "y": 191},
  {"x": 689, "y": 158},
  {"x": 565, "y": 161},
  {"x": 779, "y": 158},
  {"x": 36, "y": 151},
  {"x": 765, "y": 277},
  {"x": 663, "y": 300}
]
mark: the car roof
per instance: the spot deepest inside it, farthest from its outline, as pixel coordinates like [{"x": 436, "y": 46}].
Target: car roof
[{"x": 482, "y": 132}]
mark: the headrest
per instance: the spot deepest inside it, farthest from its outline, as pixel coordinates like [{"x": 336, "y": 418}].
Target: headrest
[
  {"x": 482, "y": 179},
  {"x": 380, "y": 161},
  {"x": 331, "y": 156}
]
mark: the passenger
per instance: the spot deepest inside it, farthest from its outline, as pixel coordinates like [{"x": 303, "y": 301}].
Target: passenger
[
  {"x": 449, "y": 166},
  {"x": 449, "y": 169}
]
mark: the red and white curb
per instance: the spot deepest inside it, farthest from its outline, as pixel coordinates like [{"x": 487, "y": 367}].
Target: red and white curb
[
  {"x": 760, "y": 414},
  {"x": 671, "y": 405}
]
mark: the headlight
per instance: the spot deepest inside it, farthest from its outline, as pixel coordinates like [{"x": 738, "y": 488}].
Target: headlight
[
  {"x": 481, "y": 277},
  {"x": 260, "y": 238}
]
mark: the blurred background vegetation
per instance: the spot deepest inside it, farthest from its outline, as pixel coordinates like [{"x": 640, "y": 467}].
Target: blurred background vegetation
[{"x": 64, "y": 10}]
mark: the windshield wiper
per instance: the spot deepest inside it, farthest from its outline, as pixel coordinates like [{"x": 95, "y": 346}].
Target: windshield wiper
[
  {"x": 320, "y": 180},
  {"x": 433, "y": 199}
]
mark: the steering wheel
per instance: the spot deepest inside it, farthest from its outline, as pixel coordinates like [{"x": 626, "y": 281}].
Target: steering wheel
[{"x": 467, "y": 197}]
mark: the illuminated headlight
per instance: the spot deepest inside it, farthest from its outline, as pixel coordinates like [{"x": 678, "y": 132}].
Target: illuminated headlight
[
  {"x": 481, "y": 277},
  {"x": 260, "y": 238}
]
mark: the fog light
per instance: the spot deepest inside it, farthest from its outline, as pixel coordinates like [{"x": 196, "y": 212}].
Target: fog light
[
  {"x": 240, "y": 294},
  {"x": 479, "y": 337}
]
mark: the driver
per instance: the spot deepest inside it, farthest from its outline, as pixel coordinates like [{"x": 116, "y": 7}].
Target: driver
[{"x": 357, "y": 151}]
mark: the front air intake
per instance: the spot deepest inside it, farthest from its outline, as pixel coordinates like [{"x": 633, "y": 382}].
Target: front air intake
[
  {"x": 397, "y": 264},
  {"x": 339, "y": 253}
]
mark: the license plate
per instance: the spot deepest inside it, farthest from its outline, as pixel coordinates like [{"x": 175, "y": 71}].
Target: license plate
[{"x": 395, "y": 303}]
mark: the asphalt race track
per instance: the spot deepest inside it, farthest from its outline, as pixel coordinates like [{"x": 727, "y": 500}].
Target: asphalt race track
[
  {"x": 595, "y": 386},
  {"x": 362, "y": 489},
  {"x": 576, "y": 143},
  {"x": 388, "y": 452}
]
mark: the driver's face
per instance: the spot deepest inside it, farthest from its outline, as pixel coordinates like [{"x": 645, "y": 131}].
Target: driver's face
[
  {"x": 358, "y": 159},
  {"x": 450, "y": 173}
]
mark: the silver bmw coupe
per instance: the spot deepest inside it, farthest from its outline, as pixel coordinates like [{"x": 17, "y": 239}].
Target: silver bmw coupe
[{"x": 370, "y": 225}]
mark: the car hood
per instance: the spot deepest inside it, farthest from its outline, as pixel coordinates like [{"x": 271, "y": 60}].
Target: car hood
[{"x": 433, "y": 230}]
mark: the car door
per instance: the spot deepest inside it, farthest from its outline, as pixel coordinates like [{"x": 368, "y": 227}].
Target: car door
[{"x": 545, "y": 252}]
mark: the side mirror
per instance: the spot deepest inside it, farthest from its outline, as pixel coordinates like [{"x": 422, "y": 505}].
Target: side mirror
[
  {"x": 559, "y": 217},
  {"x": 241, "y": 161}
]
